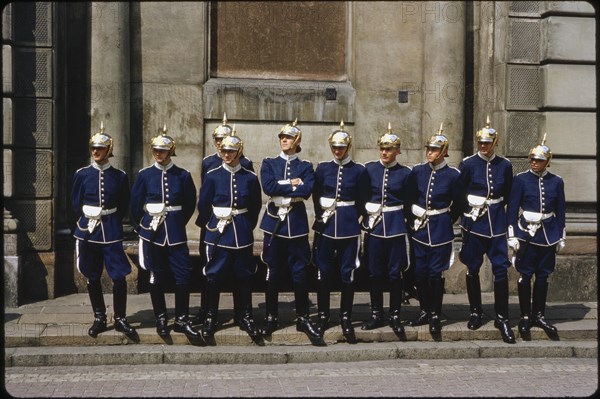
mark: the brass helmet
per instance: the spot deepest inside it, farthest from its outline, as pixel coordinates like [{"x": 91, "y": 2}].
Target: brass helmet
[
  {"x": 487, "y": 134},
  {"x": 293, "y": 131},
  {"x": 389, "y": 139},
  {"x": 438, "y": 141},
  {"x": 541, "y": 151},
  {"x": 340, "y": 137},
  {"x": 222, "y": 130},
  {"x": 102, "y": 140},
  {"x": 232, "y": 142},
  {"x": 163, "y": 142}
]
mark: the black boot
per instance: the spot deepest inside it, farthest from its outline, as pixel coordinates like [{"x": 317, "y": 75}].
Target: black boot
[
  {"x": 303, "y": 324},
  {"x": 347, "y": 300},
  {"x": 271, "y": 299},
  {"x": 183, "y": 324},
  {"x": 157, "y": 296},
  {"x": 524, "y": 290},
  {"x": 376, "y": 292},
  {"x": 395, "y": 306},
  {"x": 120, "y": 305},
  {"x": 212, "y": 315},
  {"x": 200, "y": 318},
  {"x": 99, "y": 308},
  {"x": 245, "y": 321},
  {"x": 474, "y": 295},
  {"x": 501, "y": 308},
  {"x": 323, "y": 306},
  {"x": 540, "y": 291},
  {"x": 436, "y": 299},
  {"x": 423, "y": 293}
]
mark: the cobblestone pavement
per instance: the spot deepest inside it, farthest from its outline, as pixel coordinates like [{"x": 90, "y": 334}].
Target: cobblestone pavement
[{"x": 492, "y": 377}]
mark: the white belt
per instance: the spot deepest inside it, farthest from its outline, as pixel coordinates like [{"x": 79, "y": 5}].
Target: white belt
[
  {"x": 108, "y": 211},
  {"x": 344, "y": 203},
  {"x": 386, "y": 208},
  {"x": 236, "y": 212},
  {"x": 494, "y": 201},
  {"x": 431, "y": 212},
  {"x": 173, "y": 208}
]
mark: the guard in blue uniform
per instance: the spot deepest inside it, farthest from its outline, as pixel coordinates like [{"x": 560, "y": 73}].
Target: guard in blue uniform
[
  {"x": 435, "y": 200},
  {"x": 208, "y": 163},
  {"x": 163, "y": 198},
  {"x": 100, "y": 198},
  {"x": 536, "y": 218},
  {"x": 386, "y": 235},
  {"x": 487, "y": 178},
  {"x": 339, "y": 197},
  {"x": 229, "y": 204},
  {"x": 288, "y": 181}
]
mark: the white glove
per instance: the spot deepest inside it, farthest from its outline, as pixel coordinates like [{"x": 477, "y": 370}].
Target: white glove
[
  {"x": 560, "y": 246},
  {"x": 513, "y": 243}
]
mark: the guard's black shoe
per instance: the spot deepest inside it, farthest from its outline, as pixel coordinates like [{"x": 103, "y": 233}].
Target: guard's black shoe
[
  {"x": 209, "y": 328},
  {"x": 348, "y": 329},
  {"x": 435, "y": 327},
  {"x": 524, "y": 325},
  {"x": 303, "y": 324},
  {"x": 98, "y": 326},
  {"x": 540, "y": 321},
  {"x": 396, "y": 324},
  {"x": 247, "y": 324},
  {"x": 271, "y": 325},
  {"x": 161, "y": 326},
  {"x": 374, "y": 322},
  {"x": 122, "y": 325},
  {"x": 184, "y": 325},
  {"x": 474, "y": 321},
  {"x": 421, "y": 320},
  {"x": 507, "y": 334},
  {"x": 322, "y": 323},
  {"x": 200, "y": 318}
]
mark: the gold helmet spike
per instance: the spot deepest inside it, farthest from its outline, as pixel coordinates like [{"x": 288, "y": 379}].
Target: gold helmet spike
[
  {"x": 222, "y": 130},
  {"x": 441, "y": 130},
  {"x": 102, "y": 140},
  {"x": 164, "y": 142},
  {"x": 389, "y": 139},
  {"x": 340, "y": 138},
  {"x": 541, "y": 152},
  {"x": 487, "y": 134}
]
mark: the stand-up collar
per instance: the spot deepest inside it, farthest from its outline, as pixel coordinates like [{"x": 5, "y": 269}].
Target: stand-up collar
[
  {"x": 164, "y": 168},
  {"x": 486, "y": 158},
  {"x": 96, "y": 165},
  {"x": 389, "y": 165},
  {"x": 539, "y": 174},
  {"x": 288, "y": 157},
  {"x": 344, "y": 161},
  {"x": 232, "y": 169},
  {"x": 438, "y": 166}
]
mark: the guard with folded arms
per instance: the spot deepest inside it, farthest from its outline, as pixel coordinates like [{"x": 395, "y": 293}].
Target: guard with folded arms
[
  {"x": 163, "y": 198},
  {"x": 288, "y": 181},
  {"x": 487, "y": 179},
  {"x": 339, "y": 198},
  {"x": 536, "y": 233},
  {"x": 100, "y": 198},
  {"x": 435, "y": 201},
  {"x": 229, "y": 205}
]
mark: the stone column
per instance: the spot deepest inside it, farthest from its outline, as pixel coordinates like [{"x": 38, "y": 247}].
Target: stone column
[
  {"x": 12, "y": 260},
  {"x": 110, "y": 76},
  {"x": 443, "y": 76}
]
